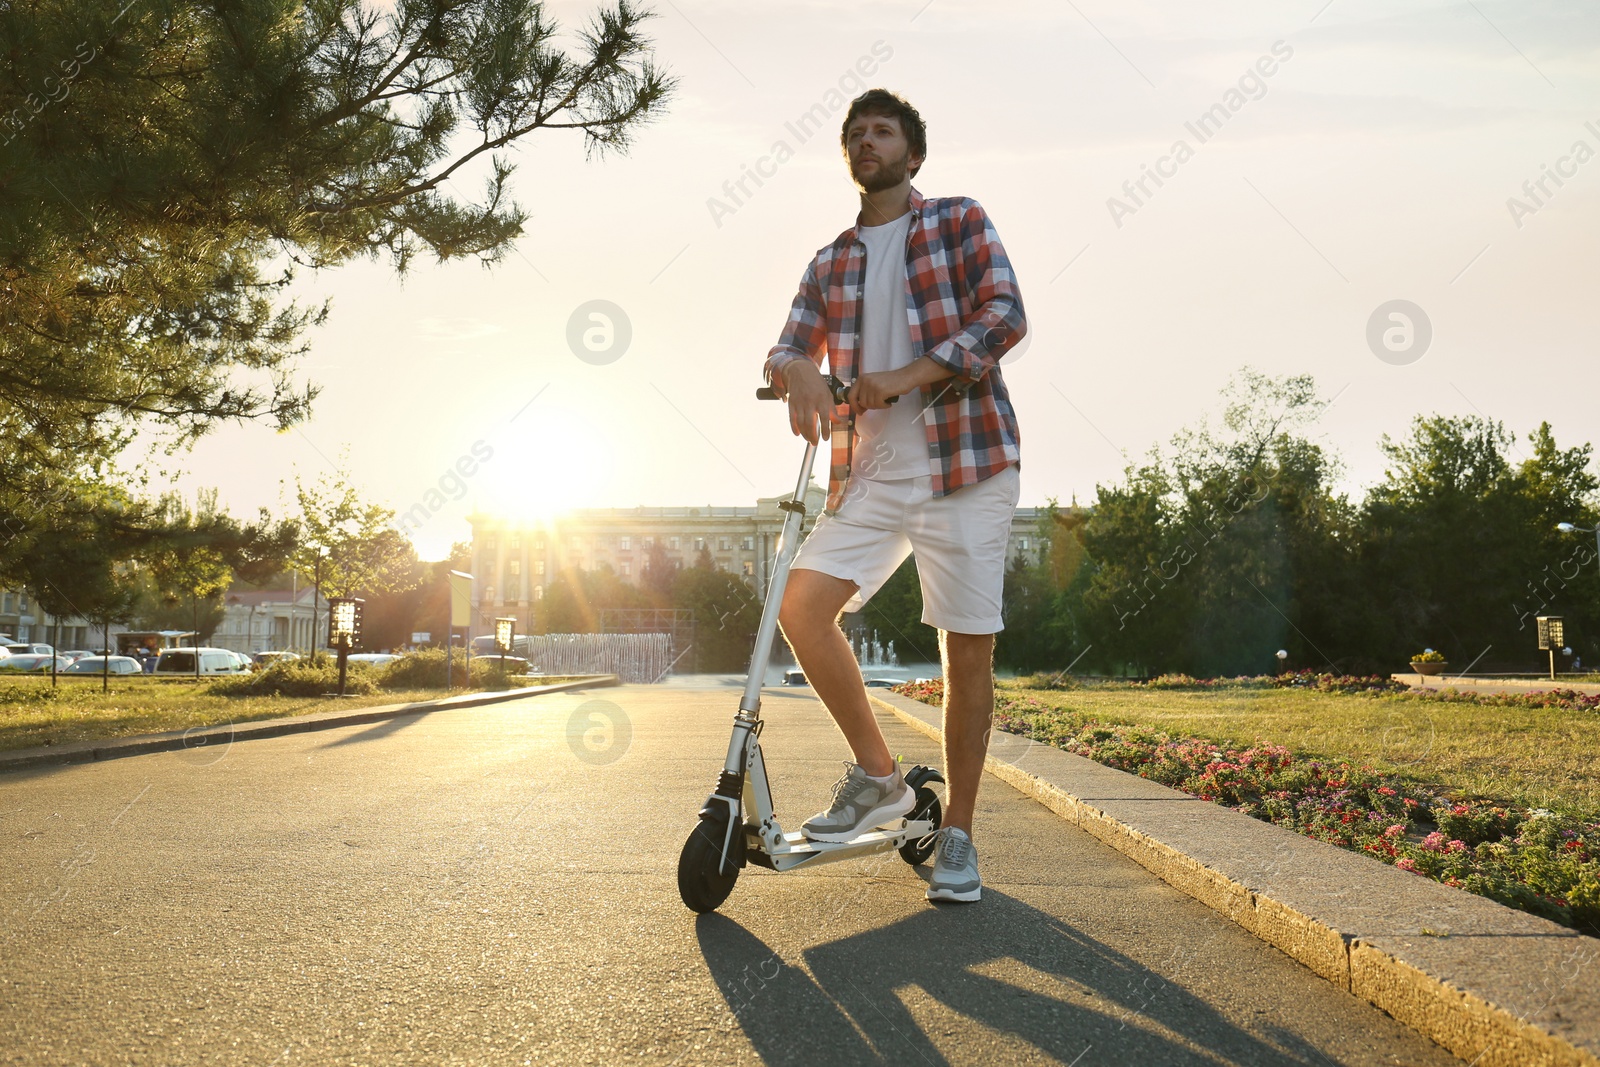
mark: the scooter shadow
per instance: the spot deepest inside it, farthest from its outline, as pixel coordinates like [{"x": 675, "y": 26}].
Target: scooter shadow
[{"x": 851, "y": 1006}]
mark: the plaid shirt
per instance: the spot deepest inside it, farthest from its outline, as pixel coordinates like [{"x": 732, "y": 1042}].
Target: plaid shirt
[{"x": 965, "y": 312}]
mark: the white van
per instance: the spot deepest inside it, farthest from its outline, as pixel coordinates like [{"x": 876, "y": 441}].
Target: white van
[{"x": 180, "y": 661}]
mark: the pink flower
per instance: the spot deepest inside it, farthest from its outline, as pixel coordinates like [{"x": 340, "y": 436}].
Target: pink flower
[
  {"x": 1405, "y": 864},
  {"x": 1434, "y": 842},
  {"x": 1456, "y": 846},
  {"x": 1397, "y": 830}
]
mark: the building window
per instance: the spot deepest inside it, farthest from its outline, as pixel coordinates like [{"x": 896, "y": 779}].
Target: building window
[
  {"x": 749, "y": 569},
  {"x": 513, "y": 588},
  {"x": 488, "y": 543},
  {"x": 647, "y": 542},
  {"x": 627, "y": 544},
  {"x": 748, "y": 543},
  {"x": 488, "y": 570},
  {"x": 724, "y": 544},
  {"x": 538, "y": 566},
  {"x": 674, "y": 543},
  {"x": 538, "y": 592},
  {"x": 514, "y": 567},
  {"x": 516, "y": 542},
  {"x": 627, "y": 568},
  {"x": 699, "y": 544},
  {"x": 1024, "y": 544}
]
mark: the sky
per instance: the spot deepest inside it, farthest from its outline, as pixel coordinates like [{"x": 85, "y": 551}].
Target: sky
[{"x": 1371, "y": 153}]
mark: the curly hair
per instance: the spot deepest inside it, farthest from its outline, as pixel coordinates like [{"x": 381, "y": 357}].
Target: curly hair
[{"x": 891, "y": 105}]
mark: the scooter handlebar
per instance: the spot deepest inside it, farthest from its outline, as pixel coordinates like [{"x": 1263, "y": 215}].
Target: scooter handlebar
[{"x": 835, "y": 385}]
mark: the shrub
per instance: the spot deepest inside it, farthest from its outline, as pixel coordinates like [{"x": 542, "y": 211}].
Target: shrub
[
  {"x": 298, "y": 678},
  {"x": 426, "y": 670}
]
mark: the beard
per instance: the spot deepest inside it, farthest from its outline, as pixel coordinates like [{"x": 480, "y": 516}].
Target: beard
[{"x": 886, "y": 175}]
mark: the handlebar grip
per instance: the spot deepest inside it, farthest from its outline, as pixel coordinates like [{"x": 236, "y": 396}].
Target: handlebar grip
[{"x": 766, "y": 392}]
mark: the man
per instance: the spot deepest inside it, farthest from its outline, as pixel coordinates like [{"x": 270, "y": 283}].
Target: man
[{"x": 917, "y": 301}]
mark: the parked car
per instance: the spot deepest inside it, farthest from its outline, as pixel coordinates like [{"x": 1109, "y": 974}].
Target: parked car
[
  {"x": 376, "y": 659},
  {"x": 267, "y": 659},
  {"x": 180, "y": 661},
  {"x": 27, "y": 648},
  {"x": 883, "y": 683},
  {"x": 97, "y": 665},
  {"x": 33, "y": 662},
  {"x": 77, "y": 653},
  {"x": 794, "y": 676}
]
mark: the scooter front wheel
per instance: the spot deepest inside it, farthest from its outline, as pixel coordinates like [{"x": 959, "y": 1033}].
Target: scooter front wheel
[
  {"x": 700, "y": 883},
  {"x": 927, "y": 807}
]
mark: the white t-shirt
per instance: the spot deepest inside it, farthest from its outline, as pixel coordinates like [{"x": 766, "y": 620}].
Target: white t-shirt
[{"x": 890, "y": 442}]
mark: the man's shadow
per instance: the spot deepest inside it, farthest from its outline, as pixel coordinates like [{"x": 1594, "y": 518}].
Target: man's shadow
[{"x": 854, "y": 1010}]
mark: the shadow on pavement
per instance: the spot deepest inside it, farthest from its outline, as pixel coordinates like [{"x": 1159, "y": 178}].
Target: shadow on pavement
[
  {"x": 378, "y": 730},
  {"x": 852, "y": 1006}
]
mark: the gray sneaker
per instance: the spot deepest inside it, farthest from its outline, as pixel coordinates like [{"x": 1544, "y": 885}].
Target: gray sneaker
[
  {"x": 859, "y": 803},
  {"x": 955, "y": 867}
]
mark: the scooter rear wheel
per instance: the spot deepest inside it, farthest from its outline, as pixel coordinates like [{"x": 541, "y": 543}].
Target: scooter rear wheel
[
  {"x": 700, "y": 884},
  {"x": 927, "y": 807}
]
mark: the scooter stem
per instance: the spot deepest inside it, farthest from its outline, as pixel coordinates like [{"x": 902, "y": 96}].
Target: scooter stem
[{"x": 788, "y": 544}]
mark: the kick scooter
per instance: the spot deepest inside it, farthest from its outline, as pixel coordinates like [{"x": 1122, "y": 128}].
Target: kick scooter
[{"x": 737, "y": 825}]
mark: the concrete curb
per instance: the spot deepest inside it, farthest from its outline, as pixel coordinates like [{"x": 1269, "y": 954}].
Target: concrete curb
[
  {"x": 1495, "y": 986},
  {"x": 1493, "y": 685},
  {"x": 200, "y": 737}
]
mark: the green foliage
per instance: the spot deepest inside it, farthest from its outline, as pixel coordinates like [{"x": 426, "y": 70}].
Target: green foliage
[
  {"x": 162, "y": 163},
  {"x": 298, "y": 678},
  {"x": 1540, "y": 861},
  {"x": 1208, "y": 559},
  {"x": 895, "y": 612},
  {"x": 426, "y": 670},
  {"x": 574, "y": 600},
  {"x": 350, "y": 544},
  {"x": 726, "y": 614}
]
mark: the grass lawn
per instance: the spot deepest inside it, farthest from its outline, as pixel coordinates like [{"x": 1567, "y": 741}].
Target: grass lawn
[
  {"x": 32, "y": 714},
  {"x": 1532, "y": 757}
]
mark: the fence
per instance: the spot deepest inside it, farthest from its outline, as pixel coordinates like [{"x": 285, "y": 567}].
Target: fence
[{"x": 631, "y": 657}]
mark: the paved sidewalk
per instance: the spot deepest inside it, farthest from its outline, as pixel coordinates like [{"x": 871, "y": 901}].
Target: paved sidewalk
[{"x": 498, "y": 886}]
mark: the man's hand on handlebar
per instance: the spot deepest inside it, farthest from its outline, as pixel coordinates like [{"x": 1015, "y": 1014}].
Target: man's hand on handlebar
[
  {"x": 875, "y": 390},
  {"x": 811, "y": 403}
]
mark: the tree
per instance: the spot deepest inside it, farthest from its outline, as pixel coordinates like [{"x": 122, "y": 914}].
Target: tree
[
  {"x": 1210, "y": 560},
  {"x": 187, "y": 571},
  {"x": 1459, "y": 547},
  {"x": 895, "y": 611},
  {"x": 350, "y": 545},
  {"x": 726, "y": 614},
  {"x": 161, "y": 164},
  {"x": 573, "y": 602}
]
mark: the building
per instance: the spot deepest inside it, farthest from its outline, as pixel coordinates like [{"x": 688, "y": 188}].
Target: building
[
  {"x": 513, "y": 563},
  {"x": 270, "y": 620},
  {"x": 23, "y": 619}
]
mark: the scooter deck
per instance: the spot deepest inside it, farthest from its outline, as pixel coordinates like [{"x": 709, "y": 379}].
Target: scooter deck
[{"x": 799, "y": 850}]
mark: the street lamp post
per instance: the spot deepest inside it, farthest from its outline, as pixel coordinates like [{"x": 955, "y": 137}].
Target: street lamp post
[
  {"x": 503, "y": 631},
  {"x": 344, "y": 629},
  {"x": 1567, "y": 528},
  {"x": 1570, "y": 528}
]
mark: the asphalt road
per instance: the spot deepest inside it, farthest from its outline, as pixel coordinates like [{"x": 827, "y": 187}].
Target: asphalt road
[{"x": 497, "y": 885}]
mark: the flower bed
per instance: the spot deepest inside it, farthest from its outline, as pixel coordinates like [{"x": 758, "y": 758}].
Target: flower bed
[{"x": 1539, "y": 861}]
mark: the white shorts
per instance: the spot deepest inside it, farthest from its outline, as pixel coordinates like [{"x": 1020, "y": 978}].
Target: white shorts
[{"x": 960, "y": 541}]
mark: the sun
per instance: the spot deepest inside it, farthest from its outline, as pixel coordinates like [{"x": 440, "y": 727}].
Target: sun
[{"x": 545, "y": 469}]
